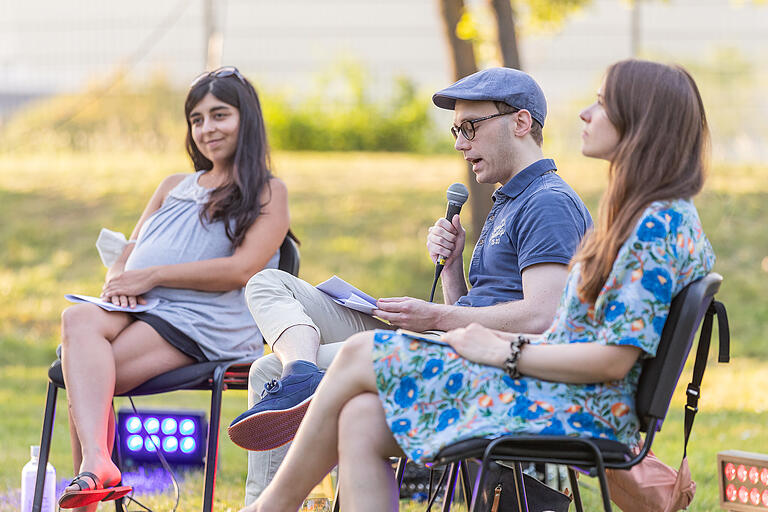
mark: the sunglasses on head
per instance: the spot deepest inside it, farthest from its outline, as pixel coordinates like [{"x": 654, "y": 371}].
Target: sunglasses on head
[{"x": 222, "y": 72}]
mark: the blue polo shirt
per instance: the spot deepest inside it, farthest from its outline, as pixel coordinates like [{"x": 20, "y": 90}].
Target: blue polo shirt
[{"x": 536, "y": 218}]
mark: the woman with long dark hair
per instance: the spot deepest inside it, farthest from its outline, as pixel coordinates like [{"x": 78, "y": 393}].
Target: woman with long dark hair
[
  {"x": 389, "y": 394},
  {"x": 198, "y": 241}
]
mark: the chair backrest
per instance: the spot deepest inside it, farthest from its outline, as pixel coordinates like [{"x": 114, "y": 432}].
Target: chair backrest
[
  {"x": 660, "y": 374},
  {"x": 289, "y": 256}
]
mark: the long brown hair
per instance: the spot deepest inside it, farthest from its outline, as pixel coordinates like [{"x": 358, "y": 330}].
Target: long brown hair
[
  {"x": 663, "y": 139},
  {"x": 236, "y": 203}
]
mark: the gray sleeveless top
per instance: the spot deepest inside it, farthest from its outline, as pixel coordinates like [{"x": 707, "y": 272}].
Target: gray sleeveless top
[{"x": 218, "y": 321}]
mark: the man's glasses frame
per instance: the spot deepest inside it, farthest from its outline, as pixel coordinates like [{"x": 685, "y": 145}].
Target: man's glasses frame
[
  {"x": 221, "y": 72},
  {"x": 467, "y": 128}
]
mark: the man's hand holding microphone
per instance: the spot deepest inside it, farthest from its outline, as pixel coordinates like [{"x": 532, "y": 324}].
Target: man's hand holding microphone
[{"x": 445, "y": 244}]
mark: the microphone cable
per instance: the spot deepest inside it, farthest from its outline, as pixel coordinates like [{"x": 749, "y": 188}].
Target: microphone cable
[
  {"x": 163, "y": 462},
  {"x": 434, "y": 284}
]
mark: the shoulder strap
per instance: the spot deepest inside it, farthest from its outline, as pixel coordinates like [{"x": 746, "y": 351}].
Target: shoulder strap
[{"x": 693, "y": 392}]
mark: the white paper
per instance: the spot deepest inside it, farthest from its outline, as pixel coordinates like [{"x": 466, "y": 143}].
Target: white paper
[
  {"x": 429, "y": 336},
  {"x": 110, "y": 245},
  {"x": 347, "y": 295},
  {"x": 108, "y": 306}
]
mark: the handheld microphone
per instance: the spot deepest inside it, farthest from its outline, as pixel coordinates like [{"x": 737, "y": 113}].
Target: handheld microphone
[{"x": 457, "y": 195}]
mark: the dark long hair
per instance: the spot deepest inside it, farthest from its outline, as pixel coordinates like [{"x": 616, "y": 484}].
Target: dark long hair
[
  {"x": 238, "y": 199},
  {"x": 661, "y": 155}
]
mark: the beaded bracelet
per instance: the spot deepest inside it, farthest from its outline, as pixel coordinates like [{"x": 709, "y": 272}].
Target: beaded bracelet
[{"x": 515, "y": 347}]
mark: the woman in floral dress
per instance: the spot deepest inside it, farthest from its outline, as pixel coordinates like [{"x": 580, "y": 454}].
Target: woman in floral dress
[{"x": 390, "y": 394}]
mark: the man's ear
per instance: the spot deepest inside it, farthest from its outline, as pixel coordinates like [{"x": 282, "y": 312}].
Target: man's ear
[{"x": 523, "y": 123}]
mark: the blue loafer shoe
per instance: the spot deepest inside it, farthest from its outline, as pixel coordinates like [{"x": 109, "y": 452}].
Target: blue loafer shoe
[{"x": 274, "y": 420}]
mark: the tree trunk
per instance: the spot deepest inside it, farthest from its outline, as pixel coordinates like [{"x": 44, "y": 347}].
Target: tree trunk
[
  {"x": 214, "y": 41},
  {"x": 505, "y": 27},
  {"x": 463, "y": 61}
]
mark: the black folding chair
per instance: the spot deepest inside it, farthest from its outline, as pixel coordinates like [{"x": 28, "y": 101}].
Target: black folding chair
[
  {"x": 214, "y": 376},
  {"x": 655, "y": 388}
]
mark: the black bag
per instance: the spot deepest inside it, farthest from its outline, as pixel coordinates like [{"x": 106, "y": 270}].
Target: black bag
[{"x": 499, "y": 494}]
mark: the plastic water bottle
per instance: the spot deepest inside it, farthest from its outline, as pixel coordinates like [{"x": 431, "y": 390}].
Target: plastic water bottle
[
  {"x": 28, "y": 477},
  {"x": 320, "y": 499},
  {"x": 316, "y": 505}
]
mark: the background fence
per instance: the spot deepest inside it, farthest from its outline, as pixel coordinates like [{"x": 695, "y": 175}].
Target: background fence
[{"x": 295, "y": 46}]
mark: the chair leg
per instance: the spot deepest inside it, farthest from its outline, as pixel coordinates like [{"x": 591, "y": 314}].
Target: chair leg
[
  {"x": 433, "y": 495},
  {"x": 479, "y": 482},
  {"x": 116, "y": 459},
  {"x": 212, "y": 456},
  {"x": 522, "y": 499},
  {"x": 450, "y": 487},
  {"x": 466, "y": 485},
  {"x": 400, "y": 471},
  {"x": 604, "y": 488},
  {"x": 336, "y": 505},
  {"x": 45, "y": 446},
  {"x": 575, "y": 490}
]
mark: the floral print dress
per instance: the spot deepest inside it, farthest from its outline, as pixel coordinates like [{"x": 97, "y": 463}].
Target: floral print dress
[{"x": 432, "y": 397}]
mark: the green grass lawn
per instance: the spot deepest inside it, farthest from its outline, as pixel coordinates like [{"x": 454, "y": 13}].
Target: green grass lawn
[{"x": 361, "y": 216}]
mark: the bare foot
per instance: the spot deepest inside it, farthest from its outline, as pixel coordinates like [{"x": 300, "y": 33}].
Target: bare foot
[{"x": 107, "y": 473}]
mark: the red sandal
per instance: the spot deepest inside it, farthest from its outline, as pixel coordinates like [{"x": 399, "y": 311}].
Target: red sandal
[{"x": 87, "y": 495}]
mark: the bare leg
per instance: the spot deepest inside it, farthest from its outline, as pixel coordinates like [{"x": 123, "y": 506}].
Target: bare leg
[
  {"x": 88, "y": 368},
  {"x": 74, "y": 441},
  {"x": 77, "y": 454},
  {"x": 366, "y": 479},
  {"x": 103, "y": 352},
  {"x": 141, "y": 353},
  {"x": 299, "y": 342},
  {"x": 314, "y": 450}
]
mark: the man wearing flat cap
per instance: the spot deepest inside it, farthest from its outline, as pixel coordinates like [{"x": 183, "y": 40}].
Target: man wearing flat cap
[
  {"x": 520, "y": 262},
  {"x": 516, "y": 275}
]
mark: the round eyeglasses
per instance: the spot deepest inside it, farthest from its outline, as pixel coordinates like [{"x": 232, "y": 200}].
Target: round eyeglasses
[{"x": 467, "y": 128}]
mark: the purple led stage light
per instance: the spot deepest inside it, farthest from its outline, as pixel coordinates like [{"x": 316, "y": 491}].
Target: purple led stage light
[
  {"x": 170, "y": 444},
  {"x": 169, "y": 426},
  {"x": 151, "y": 425},
  {"x": 179, "y": 435},
  {"x": 134, "y": 442},
  {"x": 133, "y": 424},
  {"x": 187, "y": 426}
]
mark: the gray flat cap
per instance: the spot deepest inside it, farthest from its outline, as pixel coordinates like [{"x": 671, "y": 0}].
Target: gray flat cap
[{"x": 513, "y": 87}]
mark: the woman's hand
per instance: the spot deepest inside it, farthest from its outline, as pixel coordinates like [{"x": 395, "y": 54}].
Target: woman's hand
[
  {"x": 113, "y": 272},
  {"x": 480, "y": 344},
  {"x": 126, "y": 302},
  {"x": 576, "y": 363},
  {"x": 126, "y": 288}
]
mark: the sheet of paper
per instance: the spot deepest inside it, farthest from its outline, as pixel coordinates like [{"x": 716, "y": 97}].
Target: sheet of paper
[
  {"x": 429, "y": 337},
  {"x": 347, "y": 295},
  {"x": 358, "y": 304},
  {"x": 108, "y": 306},
  {"x": 110, "y": 245}
]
